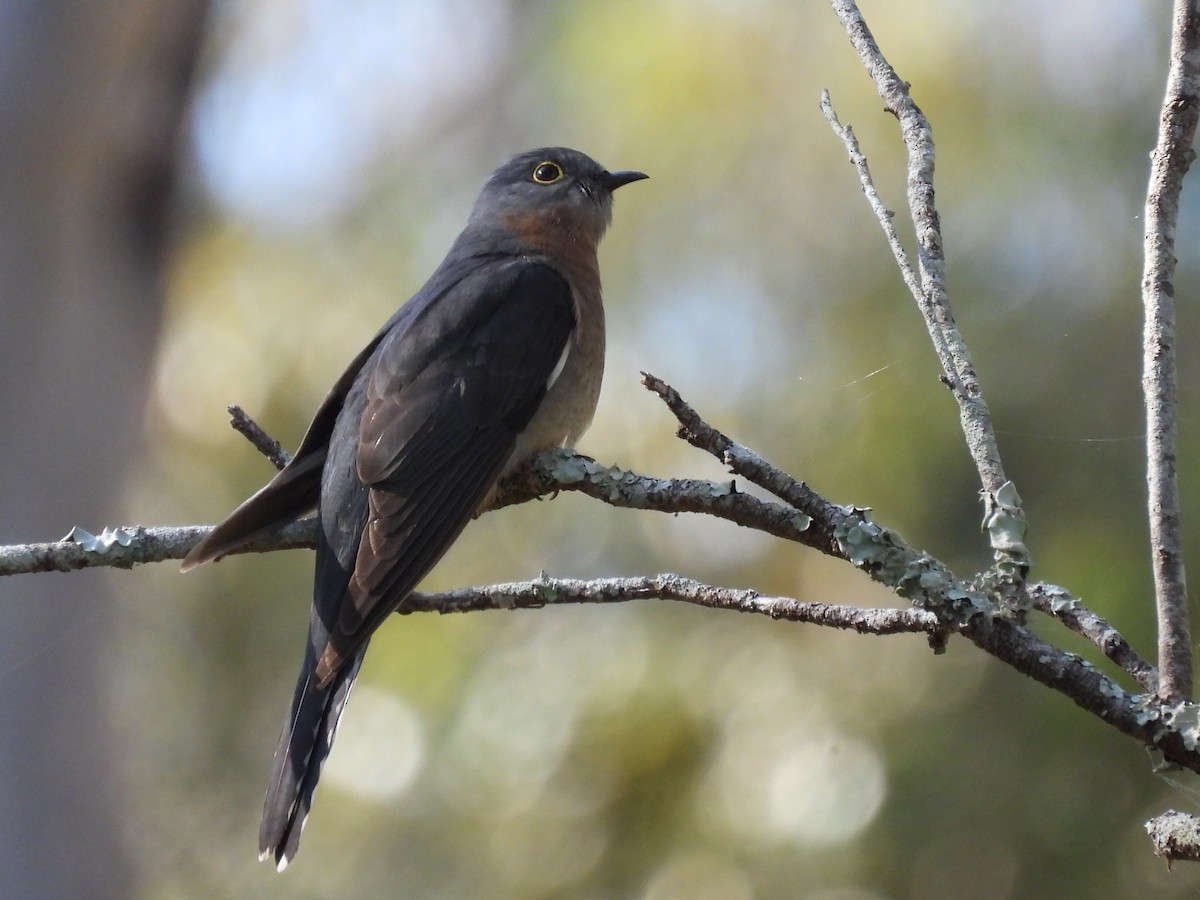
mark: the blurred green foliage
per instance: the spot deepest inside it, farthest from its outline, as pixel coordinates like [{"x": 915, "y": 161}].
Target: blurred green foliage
[{"x": 658, "y": 751}]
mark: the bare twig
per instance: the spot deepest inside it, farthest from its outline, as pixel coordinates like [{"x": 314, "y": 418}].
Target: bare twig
[
  {"x": 543, "y": 591},
  {"x": 1054, "y": 601},
  {"x": 263, "y": 442},
  {"x": 882, "y": 213},
  {"x": 1170, "y": 161},
  {"x": 825, "y": 517},
  {"x": 1005, "y": 519}
]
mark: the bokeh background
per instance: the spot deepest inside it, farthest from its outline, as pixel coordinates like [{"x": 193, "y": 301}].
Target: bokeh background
[{"x": 330, "y": 153}]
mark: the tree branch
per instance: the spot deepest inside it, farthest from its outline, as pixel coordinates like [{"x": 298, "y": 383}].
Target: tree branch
[
  {"x": 1059, "y": 604},
  {"x": 545, "y": 591},
  {"x": 944, "y": 602},
  {"x": 263, "y": 442},
  {"x": 134, "y": 545},
  {"x": 1004, "y": 517},
  {"x": 1170, "y": 160},
  {"x": 1176, "y": 836},
  {"x": 824, "y": 518},
  {"x": 1172, "y": 731},
  {"x": 882, "y": 213}
]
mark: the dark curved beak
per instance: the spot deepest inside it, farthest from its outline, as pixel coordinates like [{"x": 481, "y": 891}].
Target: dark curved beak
[{"x": 613, "y": 180}]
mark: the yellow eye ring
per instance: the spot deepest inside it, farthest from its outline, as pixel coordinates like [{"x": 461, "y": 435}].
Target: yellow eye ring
[{"x": 547, "y": 172}]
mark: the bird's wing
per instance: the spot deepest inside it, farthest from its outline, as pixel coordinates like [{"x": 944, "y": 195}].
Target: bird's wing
[
  {"x": 445, "y": 399},
  {"x": 295, "y": 489}
]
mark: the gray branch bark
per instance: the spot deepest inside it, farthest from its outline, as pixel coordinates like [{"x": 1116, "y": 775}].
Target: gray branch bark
[
  {"x": 1004, "y": 518},
  {"x": 1170, "y": 161},
  {"x": 544, "y": 591}
]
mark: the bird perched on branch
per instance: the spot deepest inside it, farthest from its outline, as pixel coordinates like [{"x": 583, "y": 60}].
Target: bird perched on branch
[{"x": 497, "y": 358}]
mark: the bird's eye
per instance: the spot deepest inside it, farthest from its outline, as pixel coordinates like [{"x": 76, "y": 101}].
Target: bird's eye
[{"x": 547, "y": 172}]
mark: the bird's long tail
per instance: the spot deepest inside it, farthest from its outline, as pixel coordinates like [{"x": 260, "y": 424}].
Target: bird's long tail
[{"x": 304, "y": 744}]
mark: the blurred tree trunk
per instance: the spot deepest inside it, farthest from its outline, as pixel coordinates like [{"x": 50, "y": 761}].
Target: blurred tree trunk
[{"x": 92, "y": 98}]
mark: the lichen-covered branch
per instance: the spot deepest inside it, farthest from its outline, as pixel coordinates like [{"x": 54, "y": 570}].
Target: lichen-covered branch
[
  {"x": 844, "y": 532},
  {"x": 129, "y": 546},
  {"x": 545, "y": 591},
  {"x": 1176, "y": 836},
  {"x": 1172, "y": 726},
  {"x": 566, "y": 470},
  {"x": 1172, "y": 156},
  {"x": 1054, "y": 601},
  {"x": 944, "y": 604},
  {"x": 1171, "y": 729},
  {"x": 1004, "y": 517},
  {"x": 1136, "y": 715}
]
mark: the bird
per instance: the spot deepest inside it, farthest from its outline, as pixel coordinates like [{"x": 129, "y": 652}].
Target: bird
[{"x": 498, "y": 357}]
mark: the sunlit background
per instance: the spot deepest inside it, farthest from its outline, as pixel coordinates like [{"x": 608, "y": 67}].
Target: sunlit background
[{"x": 653, "y": 750}]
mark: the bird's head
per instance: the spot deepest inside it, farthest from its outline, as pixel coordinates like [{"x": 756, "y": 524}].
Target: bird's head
[{"x": 551, "y": 190}]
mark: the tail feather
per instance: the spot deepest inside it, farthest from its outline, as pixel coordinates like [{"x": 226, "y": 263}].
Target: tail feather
[
  {"x": 304, "y": 745},
  {"x": 286, "y": 497}
]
